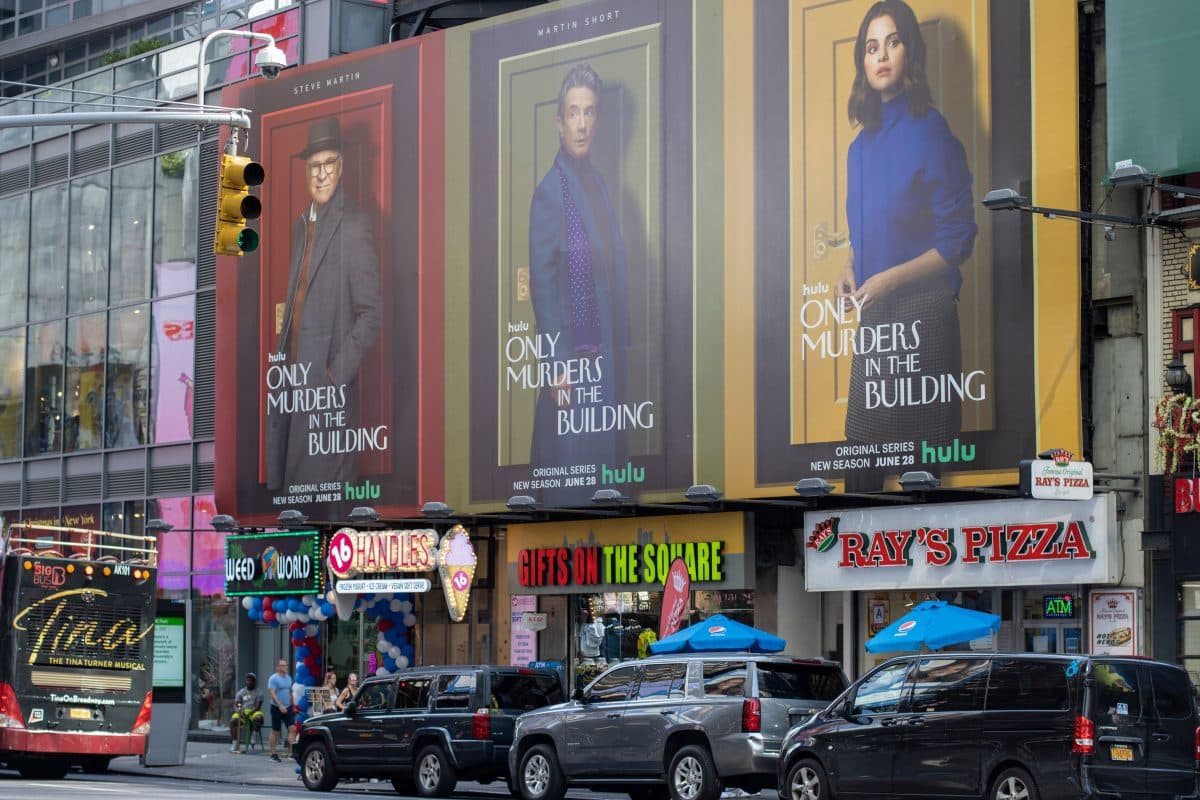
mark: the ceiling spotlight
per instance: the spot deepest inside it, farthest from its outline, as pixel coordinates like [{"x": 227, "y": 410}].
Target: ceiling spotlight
[
  {"x": 702, "y": 493},
  {"x": 224, "y": 523},
  {"x": 361, "y": 514}
]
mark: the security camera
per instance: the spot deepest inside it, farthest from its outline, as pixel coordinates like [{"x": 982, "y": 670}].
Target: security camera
[
  {"x": 1110, "y": 235},
  {"x": 270, "y": 61}
]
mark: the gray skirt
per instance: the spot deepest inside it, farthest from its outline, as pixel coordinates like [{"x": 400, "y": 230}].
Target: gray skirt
[{"x": 894, "y": 403}]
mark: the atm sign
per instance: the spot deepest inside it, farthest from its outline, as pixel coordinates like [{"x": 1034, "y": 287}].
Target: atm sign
[{"x": 1058, "y": 606}]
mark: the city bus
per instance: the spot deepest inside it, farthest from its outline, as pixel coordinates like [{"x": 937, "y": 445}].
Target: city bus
[{"x": 77, "y": 611}]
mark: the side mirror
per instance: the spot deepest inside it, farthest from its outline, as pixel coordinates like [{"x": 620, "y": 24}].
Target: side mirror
[
  {"x": 351, "y": 708},
  {"x": 578, "y": 695}
]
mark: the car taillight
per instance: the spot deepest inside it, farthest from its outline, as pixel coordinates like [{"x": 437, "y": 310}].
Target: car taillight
[
  {"x": 481, "y": 724},
  {"x": 1085, "y": 733},
  {"x": 10, "y": 710},
  {"x": 1198, "y": 744},
  {"x": 141, "y": 725},
  {"x": 751, "y": 716}
]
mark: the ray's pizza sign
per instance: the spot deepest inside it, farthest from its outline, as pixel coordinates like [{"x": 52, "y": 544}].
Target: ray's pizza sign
[{"x": 1005, "y": 542}]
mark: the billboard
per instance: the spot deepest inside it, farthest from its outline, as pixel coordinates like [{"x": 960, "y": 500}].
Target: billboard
[
  {"x": 273, "y": 564},
  {"x": 325, "y": 333},
  {"x": 655, "y": 244}
]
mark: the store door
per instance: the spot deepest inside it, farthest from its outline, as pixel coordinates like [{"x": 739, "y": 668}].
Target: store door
[{"x": 1046, "y": 636}]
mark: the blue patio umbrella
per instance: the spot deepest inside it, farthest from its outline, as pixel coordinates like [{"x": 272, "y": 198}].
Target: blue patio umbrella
[
  {"x": 931, "y": 625},
  {"x": 719, "y": 632}
]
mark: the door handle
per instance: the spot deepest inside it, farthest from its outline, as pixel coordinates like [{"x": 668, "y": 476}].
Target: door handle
[
  {"x": 1161, "y": 737},
  {"x": 667, "y": 711},
  {"x": 614, "y": 715},
  {"x": 889, "y": 721},
  {"x": 915, "y": 721}
]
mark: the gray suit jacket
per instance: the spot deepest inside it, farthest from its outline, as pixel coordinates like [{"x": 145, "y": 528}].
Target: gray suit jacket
[{"x": 339, "y": 324}]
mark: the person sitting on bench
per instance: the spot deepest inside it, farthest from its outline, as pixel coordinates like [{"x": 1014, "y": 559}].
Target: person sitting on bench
[{"x": 247, "y": 713}]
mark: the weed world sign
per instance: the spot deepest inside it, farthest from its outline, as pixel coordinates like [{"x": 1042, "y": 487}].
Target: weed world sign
[
  {"x": 993, "y": 543},
  {"x": 273, "y": 564}
]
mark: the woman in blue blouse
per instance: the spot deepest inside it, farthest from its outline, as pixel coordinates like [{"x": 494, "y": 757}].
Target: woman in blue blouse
[{"x": 912, "y": 224}]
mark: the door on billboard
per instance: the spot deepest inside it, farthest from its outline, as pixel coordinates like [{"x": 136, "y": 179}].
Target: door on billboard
[{"x": 823, "y": 35}]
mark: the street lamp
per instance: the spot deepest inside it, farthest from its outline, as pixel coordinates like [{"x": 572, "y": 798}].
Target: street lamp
[
  {"x": 1176, "y": 376},
  {"x": 270, "y": 60}
]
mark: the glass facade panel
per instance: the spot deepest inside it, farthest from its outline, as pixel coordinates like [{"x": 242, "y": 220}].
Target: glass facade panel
[
  {"x": 214, "y": 654},
  {"x": 133, "y": 197},
  {"x": 87, "y": 258},
  {"x": 14, "y": 259},
  {"x": 173, "y": 545},
  {"x": 12, "y": 384},
  {"x": 128, "y": 516},
  {"x": 175, "y": 208},
  {"x": 173, "y": 354},
  {"x": 85, "y": 383},
  {"x": 44, "y": 388},
  {"x": 47, "y": 256},
  {"x": 127, "y": 388}
]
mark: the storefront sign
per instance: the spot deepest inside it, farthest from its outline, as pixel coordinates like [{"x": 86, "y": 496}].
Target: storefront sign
[
  {"x": 1058, "y": 606},
  {"x": 354, "y": 552},
  {"x": 522, "y": 642},
  {"x": 1057, "y": 478},
  {"x": 1114, "y": 623},
  {"x": 991, "y": 543},
  {"x": 628, "y": 555},
  {"x": 383, "y": 585},
  {"x": 272, "y": 564},
  {"x": 532, "y": 621},
  {"x": 456, "y": 561},
  {"x": 1187, "y": 495}
]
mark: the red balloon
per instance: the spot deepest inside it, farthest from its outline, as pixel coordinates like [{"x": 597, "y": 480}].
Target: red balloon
[
  {"x": 296, "y": 624},
  {"x": 384, "y": 624},
  {"x": 268, "y": 615},
  {"x": 310, "y": 662},
  {"x": 315, "y": 649}
]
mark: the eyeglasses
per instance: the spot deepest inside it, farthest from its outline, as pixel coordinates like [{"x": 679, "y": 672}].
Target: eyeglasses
[{"x": 327, "y": 166}]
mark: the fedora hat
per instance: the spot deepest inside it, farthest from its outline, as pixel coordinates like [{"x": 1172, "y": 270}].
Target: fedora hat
[{"x": 324, "y": 134}]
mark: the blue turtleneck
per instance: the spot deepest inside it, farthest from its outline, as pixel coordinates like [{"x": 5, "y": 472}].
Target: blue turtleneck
[{"x": 908, "y": 189}]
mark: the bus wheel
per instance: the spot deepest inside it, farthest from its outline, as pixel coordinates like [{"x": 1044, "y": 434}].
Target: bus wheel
[
  {"x": 316, "y": 768},
  {"x": 95, "y": 765},
  {"x": 44, "y": 770}
]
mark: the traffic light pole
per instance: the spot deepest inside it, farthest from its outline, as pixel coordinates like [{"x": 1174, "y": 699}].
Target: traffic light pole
[{"x": 234, "y": 118}]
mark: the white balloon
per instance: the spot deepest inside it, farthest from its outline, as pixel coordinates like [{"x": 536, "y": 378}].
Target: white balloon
[
  {"x": 383, "y": 671},
  {"x": 311, "y": 630},
  {"x": 410, "y": 620},
  {"x": 247, "y": 602},
  {"x": 308, "y": 599},
  {"x": 301, "y": 617},
  {"x": 406, "y": 607},
  {"x": 402, "y": 662},
  {"x": 297, "y": 691},
  {"x": 394, "y": 652},
  {"x": 330, "y": 596},
  {"x": 395, "y": 605}
]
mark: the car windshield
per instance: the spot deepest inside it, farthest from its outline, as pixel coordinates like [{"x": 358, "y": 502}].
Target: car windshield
[
  {"x": 520, "y": 692},
  {"x": 800, "y": 681}
]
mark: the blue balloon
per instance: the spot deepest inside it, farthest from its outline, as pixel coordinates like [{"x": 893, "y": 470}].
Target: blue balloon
[
  {"x": 298, "y": 635},
  {"x": 389, "y": 663},
  {"x": 407, "y": 650},
  {"x": 327, "y": 608},
  {"x": 302, "y": 703},
  {"x": 300, "y": 717},
  {"x": 280, "y": 606},
  {"x": 256, "y": 602},
  {"x": 301, "y": 653}
]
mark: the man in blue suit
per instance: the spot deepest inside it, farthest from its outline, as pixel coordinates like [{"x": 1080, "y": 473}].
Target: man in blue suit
[{"x": 579, "y": 284}]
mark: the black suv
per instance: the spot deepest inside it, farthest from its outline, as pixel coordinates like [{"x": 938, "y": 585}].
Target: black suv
[
  {"x": 424, "y": 728},
  {"x": 684, "y": 724},
  {"x": 1001, "y": 726}
]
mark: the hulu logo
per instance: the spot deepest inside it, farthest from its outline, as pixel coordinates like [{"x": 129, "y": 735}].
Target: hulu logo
[
  {"x": 367, "y": 491},
  {"x": 626, "y": 474},
  {"x": 950, "y": 454}
]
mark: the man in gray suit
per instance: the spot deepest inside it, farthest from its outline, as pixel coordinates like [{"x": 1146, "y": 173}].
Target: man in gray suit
[{"x": 331, "y": 320}]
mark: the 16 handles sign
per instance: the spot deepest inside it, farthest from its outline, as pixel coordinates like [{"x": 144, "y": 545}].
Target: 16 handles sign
[{"x": 995, "y": 543}]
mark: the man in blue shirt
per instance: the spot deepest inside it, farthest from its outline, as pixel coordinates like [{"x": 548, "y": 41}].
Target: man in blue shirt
[{"x": 279, "y": 688}]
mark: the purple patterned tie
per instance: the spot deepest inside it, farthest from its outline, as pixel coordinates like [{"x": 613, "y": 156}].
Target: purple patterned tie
[{"x": 585, "y": 316}]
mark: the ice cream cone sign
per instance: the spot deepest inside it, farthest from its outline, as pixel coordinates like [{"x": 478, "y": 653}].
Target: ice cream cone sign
[{"x": 456, "y": 566}]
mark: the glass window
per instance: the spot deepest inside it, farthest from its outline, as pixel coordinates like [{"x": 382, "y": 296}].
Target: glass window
[
  {"x": 1028, "y": 685},
  {"x": 175, "y": 208},
  {"x": 14, "y": 258},
  {"x": 85, "y": 382},
  {"x": 173, "y": 354},
  {"x": 126, "y": 404},
  {"x": 208, "y": 546},
  {"x": 662, "y": 681},
  {"x": 47, "y": 256},
  {"x": 520, "y": 692},
  {"x": 724, "y": 678},
  {"x": 879, "y": 693},
  {"x": 799, "y": 681},
  {"x": 1117, "y": 691},
  {"x": 12, "y": 386},
  {"x": 376, "y": 697},
  {"x": 133, "y": 195},
  {"x": 44, "y": 389},
  {"x": 1172, "y": 693},
  {"x": 413, "y": 693},
  {"x": 87, "y": 254},
  {"x": 614, "y": 686},
  {"x": 454, "y": 691},
  {"x": 948, "y": 684},
  {"x": 214, "y": 634}
]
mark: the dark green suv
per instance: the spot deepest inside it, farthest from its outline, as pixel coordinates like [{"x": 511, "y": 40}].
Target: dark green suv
[{"x": 424, "y": 728}]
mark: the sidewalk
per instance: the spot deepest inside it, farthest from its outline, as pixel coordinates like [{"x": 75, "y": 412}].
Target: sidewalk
[{"x": 212, "y": 761}]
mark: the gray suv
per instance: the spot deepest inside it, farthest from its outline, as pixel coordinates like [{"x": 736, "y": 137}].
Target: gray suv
[{"x": 684, "y": 726}]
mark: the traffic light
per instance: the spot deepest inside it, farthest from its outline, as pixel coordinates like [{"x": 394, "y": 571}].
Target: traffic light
[{"x": 235, "y": 205}]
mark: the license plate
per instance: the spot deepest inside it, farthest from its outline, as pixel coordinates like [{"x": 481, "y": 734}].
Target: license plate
[
  {"x": 86, "y": 713},
  {"x": 1121, "y": 752}
]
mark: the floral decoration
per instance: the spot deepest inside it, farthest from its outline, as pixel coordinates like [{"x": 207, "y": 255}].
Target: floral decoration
[{"x": 1177, "y": 419}]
